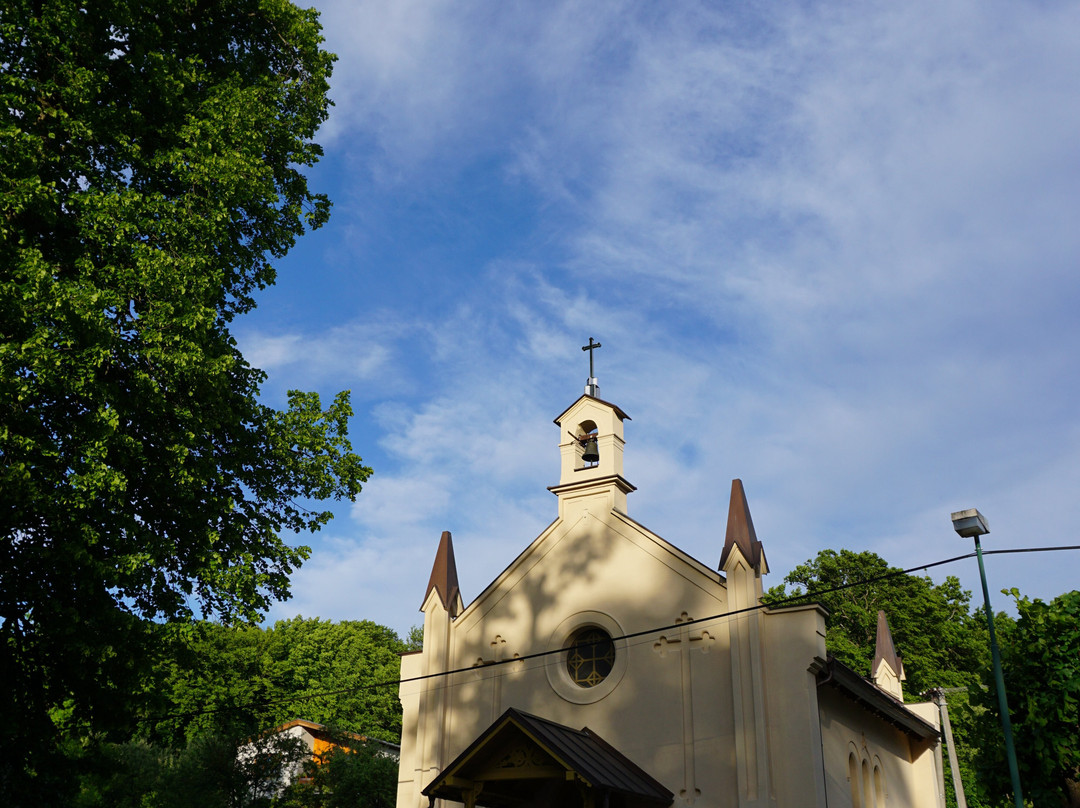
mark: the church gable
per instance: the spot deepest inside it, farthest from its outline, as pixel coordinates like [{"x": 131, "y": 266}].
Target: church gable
[
  {"x": 600, "y": 622},
  {"x": 577, "y": 587},
  {"x": 597, "y": 561}
]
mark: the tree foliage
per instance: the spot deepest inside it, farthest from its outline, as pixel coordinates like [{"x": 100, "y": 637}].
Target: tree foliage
[
  {"x": 213, "y": 770},
  {"x": 243, "y": 680},
  {"x": 932, "y": 625},
  {"x": 356, "y": 776},
  {"x": 223, "y": 689},
  {"x": 151, "y": 158},
  {"x": 1041, "y": 666}
]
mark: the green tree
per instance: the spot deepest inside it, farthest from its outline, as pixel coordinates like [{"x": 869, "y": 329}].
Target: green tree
[
  {"x": 243, "y": 680},
  {"x": 214, "y": 680},
  {"x": 349, "y": 776},
  {"x": 358, "y": 661},
  {"x": 966, "y": 715},
  {"x": 115, "y": 775},
  {"x": 213, "y": 770},
  {"x": 932, "y": 625},
  {"x": 1041, "y": 666},
  {"x": 151, "y": 159}
]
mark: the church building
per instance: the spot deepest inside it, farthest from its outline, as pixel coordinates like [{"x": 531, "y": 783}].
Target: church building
[{"x": 606, "y": 668}]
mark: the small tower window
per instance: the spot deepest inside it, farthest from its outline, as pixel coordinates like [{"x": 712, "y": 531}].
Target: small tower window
[{"x": 590, "y": 656}]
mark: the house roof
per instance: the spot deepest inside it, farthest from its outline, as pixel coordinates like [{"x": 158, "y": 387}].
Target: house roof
[
  {"x": 839, "y": 676},
  {"x": 520, "y": 748},
  {"x": 326, "y": 733}
]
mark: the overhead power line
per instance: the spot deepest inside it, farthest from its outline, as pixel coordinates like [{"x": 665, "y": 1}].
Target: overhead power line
[{"x": 800, "y": 597}]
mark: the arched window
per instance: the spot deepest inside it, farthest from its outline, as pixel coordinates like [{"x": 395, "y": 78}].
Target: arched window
[
  {"x": 879, "y": 784},
  {"x": 853, "y": 777},
  {"x": 868, "y": 794}
]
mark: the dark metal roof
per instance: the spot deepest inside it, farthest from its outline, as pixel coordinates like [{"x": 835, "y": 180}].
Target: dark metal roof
[
  {"x": 868, "y": 695},
  {"x": 581, "y": 751},
  {"x": 600, "y": 764}
]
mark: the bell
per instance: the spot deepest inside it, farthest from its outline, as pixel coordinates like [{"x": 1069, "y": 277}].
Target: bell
[{"x": 591, "y": 455}]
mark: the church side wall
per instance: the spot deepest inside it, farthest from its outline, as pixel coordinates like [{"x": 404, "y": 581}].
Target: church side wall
[
  {"x": 408, "y": 764},
  {"x": 869, "y": 762},
  {"x": 794, "y": 638}
]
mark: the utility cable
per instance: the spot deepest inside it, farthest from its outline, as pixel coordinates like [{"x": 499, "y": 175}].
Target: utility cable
[{"x": 792, "y": 600}]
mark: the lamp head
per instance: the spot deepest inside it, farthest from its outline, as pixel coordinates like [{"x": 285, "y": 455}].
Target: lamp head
[{"x": 970, "y": 523}]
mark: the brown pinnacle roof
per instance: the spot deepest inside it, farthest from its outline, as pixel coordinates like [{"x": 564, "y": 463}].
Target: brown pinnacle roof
[
  {"x": 884, "y": 649},
  {"x": 444, "y": 578},
  {"x": 740, "y": 529}
]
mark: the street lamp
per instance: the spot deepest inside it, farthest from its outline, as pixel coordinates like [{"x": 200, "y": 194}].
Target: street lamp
[{"x": 972, "y": 524}]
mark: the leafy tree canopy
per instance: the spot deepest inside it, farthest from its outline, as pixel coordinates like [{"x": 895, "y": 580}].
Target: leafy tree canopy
[
  {"x": 151, "y": 158},
  {"x": 1041, "y": 666},
  {"x": 356, "y": 776},
  {"x": 209, "y": 772},
  {"x": 208, "y": 741},
  {"x": 941, "y": 642},
  {"x": 243, "y": 680}
]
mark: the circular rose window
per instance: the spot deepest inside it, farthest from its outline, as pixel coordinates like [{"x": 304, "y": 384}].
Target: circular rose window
[
  {"x": 590, "y": 656},
  {"x": 591, "y": 660}
]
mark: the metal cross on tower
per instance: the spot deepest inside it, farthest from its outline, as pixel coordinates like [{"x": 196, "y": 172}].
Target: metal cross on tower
[{"x": 592, "y": 388}]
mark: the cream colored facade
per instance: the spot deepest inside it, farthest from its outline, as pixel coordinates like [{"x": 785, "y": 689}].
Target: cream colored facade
[{"x": 739, "y": 711}]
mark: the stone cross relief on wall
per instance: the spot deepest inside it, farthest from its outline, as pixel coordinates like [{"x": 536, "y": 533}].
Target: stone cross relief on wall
[
  {"x": 683, "y": 644},
  {"x": 501, "y": 665}
]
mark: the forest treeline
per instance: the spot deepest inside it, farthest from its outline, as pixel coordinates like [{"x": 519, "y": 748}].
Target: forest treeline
[
  {"x": 218, "y": 690},
  {"x": 248, "y": 678}
]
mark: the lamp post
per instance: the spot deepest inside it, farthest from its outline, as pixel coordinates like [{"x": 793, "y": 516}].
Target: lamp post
[{"x": 972, "y": 524}]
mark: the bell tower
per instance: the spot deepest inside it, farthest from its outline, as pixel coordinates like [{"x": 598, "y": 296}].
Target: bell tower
[{"x": 591, "y": 448}]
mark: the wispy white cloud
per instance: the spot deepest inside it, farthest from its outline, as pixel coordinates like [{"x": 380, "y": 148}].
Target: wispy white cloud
[
  {"x": 828, "y": 249},
  {"x": 360, "y": 353}
]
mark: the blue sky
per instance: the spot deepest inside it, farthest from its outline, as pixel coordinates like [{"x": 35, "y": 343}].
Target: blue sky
[{"x": 829, "y": 248}]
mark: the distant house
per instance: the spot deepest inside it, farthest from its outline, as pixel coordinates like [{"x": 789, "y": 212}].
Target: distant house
[
  {"x": 284, "y": 762},
  {"x": 320, "y": 739}
]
